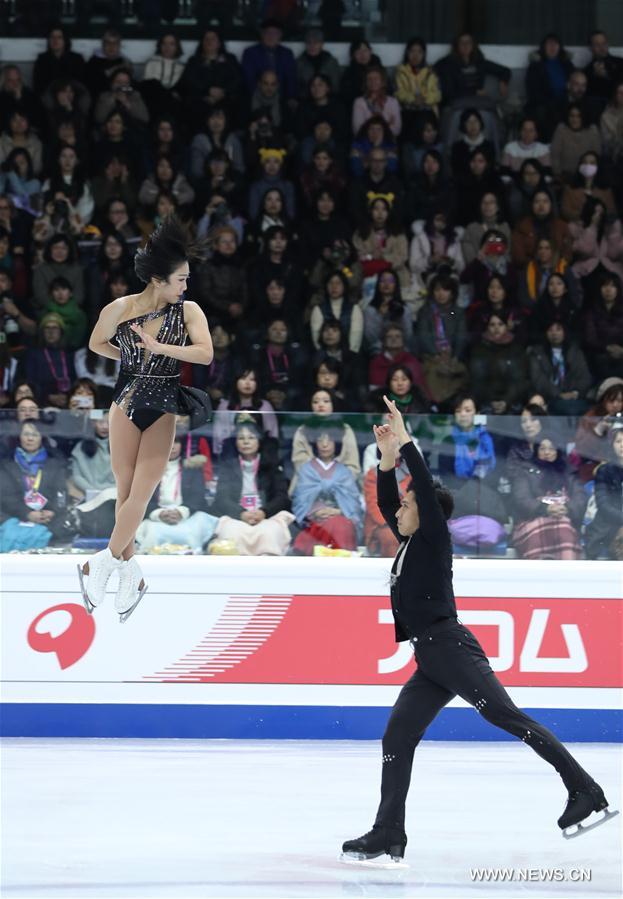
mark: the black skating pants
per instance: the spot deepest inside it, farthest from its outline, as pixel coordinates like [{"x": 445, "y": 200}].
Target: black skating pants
[{"x": 452, "y": 662}]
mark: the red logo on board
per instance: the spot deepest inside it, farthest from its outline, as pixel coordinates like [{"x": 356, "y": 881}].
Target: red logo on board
[{"x": 68, "y": 644}]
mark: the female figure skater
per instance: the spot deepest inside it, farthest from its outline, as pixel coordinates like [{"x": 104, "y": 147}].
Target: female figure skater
[{"x": 150, "y": 329}]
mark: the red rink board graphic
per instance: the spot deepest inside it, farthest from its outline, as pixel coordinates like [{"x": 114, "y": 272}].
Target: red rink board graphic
[{"x": 324, "y": 639}]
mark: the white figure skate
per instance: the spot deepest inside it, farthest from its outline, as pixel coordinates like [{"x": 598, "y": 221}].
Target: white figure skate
[
  {"x": 132, "y": 588},
  {"x": 97, "y": 569}
]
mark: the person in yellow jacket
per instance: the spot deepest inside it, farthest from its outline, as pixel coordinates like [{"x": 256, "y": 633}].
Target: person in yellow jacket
[{"x": 417, "y": 85}]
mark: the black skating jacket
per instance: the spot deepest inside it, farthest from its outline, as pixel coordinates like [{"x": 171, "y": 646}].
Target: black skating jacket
[{"x": 423, "y": 592}]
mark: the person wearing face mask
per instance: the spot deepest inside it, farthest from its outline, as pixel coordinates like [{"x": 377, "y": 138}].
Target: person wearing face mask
[
  {"x": 589, "y": 181},
  {"x": 572, "y": 139}
]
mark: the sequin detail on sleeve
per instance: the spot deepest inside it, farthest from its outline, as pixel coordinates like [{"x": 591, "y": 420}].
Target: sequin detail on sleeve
[{"x": 146, "y": 380}]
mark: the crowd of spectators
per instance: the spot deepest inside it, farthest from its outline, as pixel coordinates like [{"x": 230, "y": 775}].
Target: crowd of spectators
[{"x": 369, "y": 231}]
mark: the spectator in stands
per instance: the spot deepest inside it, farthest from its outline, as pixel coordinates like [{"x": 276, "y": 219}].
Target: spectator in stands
[
  {"x": 58, "y": 61},
  {"x": 315, "y": 60},
  {"x": 166, "y": 178},
  {"x": 176, "y": 514},
  {"x": 555, "y": 303},
  {"x": 375, "y": 101},
  {"x": 530, "y": 178},
  {"x": 493, "y": 260},
  {"x": 490, "y": 217},
  {"x": 328, "y": 374},
  {"x": 425, "y": 137},
  {"x": 467, "y": 463},
  {"x": 591, "y": 438},
  {"x": 435, "y": 248},
  {"x": 471, "y": 128},
  {"x": 607, "y": 525},
  {"x": 417, "y": 86},
  {"x": 536, "y": 273},
  {"x": 588, "y": 181},
  {"x": 481, "y": 178},
  {"x": 604, "y": 70},
  {"x": 220, "y": 284},
  {"x": 559, "y": 372},
  {"x": 323, "y": 175},
  {"x": 526, "y": 147},
  {"x": 270, "y": 54},
  {"x": 121, "y": 97},
  {"x": 167, "y": 139},
  {"x": 498, "y": 369},
  {"x": 321, "y": 106},
  {"x": 572, "y": 139},
  {"x": 281, "y": 364},
  {"x": 431, "y": 190},
  {"x": 15, "y": 95},
  {"x": 611, "y": 125},
  {"x": 603, "y": 327},
  {"x": 91, "y": 480},
  {"x": 18, "y": 133},
  {"x": 541, "y": 223},
  {"x": 376, "y": 180},
  {"x": 496, "y": 299},
  {"x": 117, "y": 139},
  {"x": 394, "y": 352},
  {"x": 549, "y": 504},
  {"x": 59, "y": 260},
  {"x": 333, "y": 345},
  {"x": 162, "y": 75},
  {"x": 104, "y": 62},
  {"x": 380, "y": 241},
  {"x": 117, "y": 217},
  {"x": 216, "y": 135},
  {"x": 217, "y": 377},
  {"x": 277, "y": 260},
  {"x": 342, "y": 257},
  {"x": 323, "y": 226},
  {"x": 212, "y": 76},
  {"x": 102, "y": 371},
  {"x": 247, "y": 395},
  {"x": 68, "y": 182},
  {"x": 386, "y": 306},
  {"x": 112, "y": 258},
  {"x": 275, "y": 300},
  {"x": 522, "y": 449},
  {"x": 337, "y": 305},
  {"x": 49, "y": 365},
  {"x": 18, "y": 179},
  {"x": 323, "y": 405},
  {"x": 33, "y": 491},
  {"x": 252, "y": 495},
  {"x": 112, "y": 182},
  {"x": 400, "y": 387},
  {"x": 271, "y": 178},
  {"x": 547, "y": 75},
  {"x": 597, "y": 242},
  {"x": 353, "y": 76},
  {"x": 67, "y": 102},
  {"x": 463, "y": 72},
  {"x": 441, "y": 338},
  {"x": 219, "y": 196},
  {"x": 62, "y": 303},
  {"x": 374, "y": 133},
  {"x": 326, "y": 500}
]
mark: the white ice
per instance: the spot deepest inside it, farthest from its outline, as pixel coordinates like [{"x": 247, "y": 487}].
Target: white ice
[{"x": 219, "y": 818}]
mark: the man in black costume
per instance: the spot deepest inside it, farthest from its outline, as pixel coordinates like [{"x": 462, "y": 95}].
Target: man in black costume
[{"x": 450, "y": 659}]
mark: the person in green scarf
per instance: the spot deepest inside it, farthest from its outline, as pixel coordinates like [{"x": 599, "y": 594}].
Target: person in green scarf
[{"x": 63, "y": 303}]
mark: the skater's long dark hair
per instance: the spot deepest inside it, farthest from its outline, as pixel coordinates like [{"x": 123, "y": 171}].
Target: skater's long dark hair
[{"x": 169, "y": 247}]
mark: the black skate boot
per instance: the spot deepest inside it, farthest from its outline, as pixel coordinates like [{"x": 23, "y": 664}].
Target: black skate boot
[
  {"x": 389, "y": 842},
  {"x": 580, "y": 805}
]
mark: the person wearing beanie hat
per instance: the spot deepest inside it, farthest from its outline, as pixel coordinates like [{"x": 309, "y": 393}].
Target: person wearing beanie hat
[
  {"x": 49, "y": 365},
  {"x": 594, "y": 428}
]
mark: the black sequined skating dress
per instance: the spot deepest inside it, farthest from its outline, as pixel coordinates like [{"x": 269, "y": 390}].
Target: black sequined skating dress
[{"x": 148, "y": 383}]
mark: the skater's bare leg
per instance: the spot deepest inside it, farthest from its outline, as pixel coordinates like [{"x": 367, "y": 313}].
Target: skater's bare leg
[
  {"x": 150, "y": 463},
  {"x": 125, "y": 439}
]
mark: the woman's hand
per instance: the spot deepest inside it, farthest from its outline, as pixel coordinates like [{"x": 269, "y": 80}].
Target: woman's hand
[
  {"x": 396, "y": 422},
  {"x": 147, "y": 342}
]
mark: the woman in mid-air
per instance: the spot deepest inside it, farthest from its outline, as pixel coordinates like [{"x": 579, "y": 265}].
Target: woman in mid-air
[{"x": 150, "y": 331}]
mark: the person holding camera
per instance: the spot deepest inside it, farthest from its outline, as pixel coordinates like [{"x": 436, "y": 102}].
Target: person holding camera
[{"x": 121, "y": 97}]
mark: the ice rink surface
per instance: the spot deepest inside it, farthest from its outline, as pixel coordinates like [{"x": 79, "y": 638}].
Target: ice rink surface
[{"x": 222, "y": 818}]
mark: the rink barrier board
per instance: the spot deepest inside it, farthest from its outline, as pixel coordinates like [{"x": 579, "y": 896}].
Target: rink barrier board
[
  {"x": 297, "y": 648},
  {"x": 239, "y": 722}
]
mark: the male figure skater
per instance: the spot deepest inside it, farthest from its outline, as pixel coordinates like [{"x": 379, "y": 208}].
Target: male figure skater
[{"x": 450, "y": 660}]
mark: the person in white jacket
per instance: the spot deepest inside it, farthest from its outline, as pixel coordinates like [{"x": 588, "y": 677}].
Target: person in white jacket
[{"x": 435, "y": 244}]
